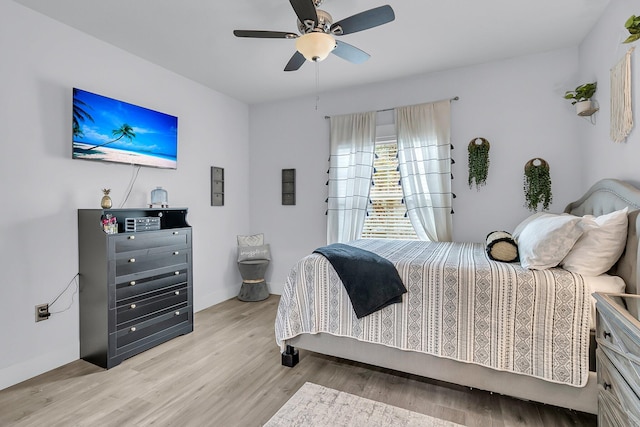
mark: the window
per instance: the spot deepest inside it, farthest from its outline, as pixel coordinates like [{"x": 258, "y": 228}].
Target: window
[{"x": 386, "y": 213}]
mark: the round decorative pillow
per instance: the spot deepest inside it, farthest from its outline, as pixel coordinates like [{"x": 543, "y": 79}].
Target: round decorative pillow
[{"x": 502, "y": 247}]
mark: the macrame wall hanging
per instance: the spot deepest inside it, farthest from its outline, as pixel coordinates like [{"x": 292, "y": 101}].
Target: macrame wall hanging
[
  {"x": 621, "y": 111},
  {"x": 478, "y": 162},
  {"x": 537, "y": 184}
]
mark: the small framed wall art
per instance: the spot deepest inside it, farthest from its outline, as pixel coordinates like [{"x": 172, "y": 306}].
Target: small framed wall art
[
  {"x": 288, "y": 186},
  {"x": 217, "y": 186}
]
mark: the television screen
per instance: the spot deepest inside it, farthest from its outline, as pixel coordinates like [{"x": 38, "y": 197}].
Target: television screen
[{"x": 114, "y": 131}]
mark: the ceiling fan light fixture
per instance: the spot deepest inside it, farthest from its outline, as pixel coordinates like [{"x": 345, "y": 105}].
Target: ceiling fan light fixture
[{"x": 315, "y": 46}]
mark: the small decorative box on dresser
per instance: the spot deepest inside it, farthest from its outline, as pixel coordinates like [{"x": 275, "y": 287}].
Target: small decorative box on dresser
[
  {"x": 135, "y": 287},
  {"x": 618, "y": 359}
]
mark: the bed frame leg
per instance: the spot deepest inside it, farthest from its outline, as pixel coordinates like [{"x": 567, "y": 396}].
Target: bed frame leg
[{"x": 290, "y": 357}]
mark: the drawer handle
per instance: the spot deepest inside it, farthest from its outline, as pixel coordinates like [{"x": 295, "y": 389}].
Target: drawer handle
[
  {"x": 177, "y": 292},
  {"x": 606, "y": 386},
  {"x": 132, "y": 237},
  {"x": 132, "y": 283},
  {"x": 177, "y": 313},
  {"x": 175, "y": 233},
  {"x": 606, "y": 334},
  {"x": 133, "y": 306},
  {"x": 176, "y": 273},
  {"x": 133, "y": 329},
  {"x": 132, "y": 260},
  {"x": 176, "y": 253}
]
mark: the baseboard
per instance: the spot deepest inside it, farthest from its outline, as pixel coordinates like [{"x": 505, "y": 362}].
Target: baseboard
[
  {"x": 19, "y": 372},
  {"x": 201, "y": 302}
]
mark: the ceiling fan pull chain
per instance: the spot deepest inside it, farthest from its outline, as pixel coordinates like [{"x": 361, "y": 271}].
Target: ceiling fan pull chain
[{"x": 317, "y": 84}]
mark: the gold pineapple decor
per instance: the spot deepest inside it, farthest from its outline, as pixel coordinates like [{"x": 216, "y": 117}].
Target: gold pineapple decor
[{"x": 106, "y": 199}]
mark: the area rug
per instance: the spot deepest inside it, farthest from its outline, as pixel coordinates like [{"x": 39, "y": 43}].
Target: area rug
[{"x": 316, "y": 406}]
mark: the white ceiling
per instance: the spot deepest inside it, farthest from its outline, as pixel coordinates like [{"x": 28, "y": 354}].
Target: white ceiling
[{"x": 194, "y": 37}]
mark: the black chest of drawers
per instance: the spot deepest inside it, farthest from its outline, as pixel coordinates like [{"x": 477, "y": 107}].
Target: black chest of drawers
[{"x": 135, "y": 288}]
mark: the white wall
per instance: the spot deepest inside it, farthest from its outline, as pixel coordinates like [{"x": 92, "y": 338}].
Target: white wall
[
  {"x": 42, "y": 187},
  {"x": 599, "y": 52},
  {"x": 516, "y": 104}
]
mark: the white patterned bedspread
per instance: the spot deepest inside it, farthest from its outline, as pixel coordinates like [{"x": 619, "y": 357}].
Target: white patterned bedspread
[{"x": 459, "y": 305}]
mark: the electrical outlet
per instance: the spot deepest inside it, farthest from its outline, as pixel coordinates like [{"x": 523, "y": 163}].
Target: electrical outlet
[{"x": 42, "y": 312}]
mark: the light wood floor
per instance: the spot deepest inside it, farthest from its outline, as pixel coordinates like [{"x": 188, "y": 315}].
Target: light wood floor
[{"x": 228, "y": 373}]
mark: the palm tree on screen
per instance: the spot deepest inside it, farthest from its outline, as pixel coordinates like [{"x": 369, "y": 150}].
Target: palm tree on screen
[
  {"x": 80, "y": 114},
  {"x": 125, "y": 131}
]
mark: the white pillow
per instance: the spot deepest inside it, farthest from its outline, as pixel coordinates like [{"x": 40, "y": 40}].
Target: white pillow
[
  {"x": 600, "y": 246},
  {"x": 547, "y": 239},
  {"x": 249, "y": 253},
  {"x": 252, "y": 240},
  {"x": 516, "y": 232}
]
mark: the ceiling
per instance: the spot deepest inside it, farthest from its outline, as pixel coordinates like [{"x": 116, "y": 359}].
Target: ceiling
[{"x": 194, "y": 38}]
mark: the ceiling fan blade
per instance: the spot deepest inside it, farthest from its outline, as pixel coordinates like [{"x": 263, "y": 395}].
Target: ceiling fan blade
[
  {"x": 364, "y": 20},
  {"x": 295, "y": 62},
  {"x": 350, "y": 53},
  {"x": 259, "y": 34},
  {"x": 305, "y": 10}
]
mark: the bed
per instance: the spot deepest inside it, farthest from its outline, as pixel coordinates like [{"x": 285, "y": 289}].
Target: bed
[{"x": 499, "y": 352}]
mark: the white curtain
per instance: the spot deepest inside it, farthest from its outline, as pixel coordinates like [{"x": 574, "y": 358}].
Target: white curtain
[
  {"x": 350, "y": 171},
  {"x": 424, "y": 157}
]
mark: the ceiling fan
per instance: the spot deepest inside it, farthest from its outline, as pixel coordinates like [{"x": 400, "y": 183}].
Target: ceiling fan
[{"x": 317, "y": 30}]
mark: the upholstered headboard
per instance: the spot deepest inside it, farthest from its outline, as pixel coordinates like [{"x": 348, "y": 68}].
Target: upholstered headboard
[{"x": 607, "y": 196}]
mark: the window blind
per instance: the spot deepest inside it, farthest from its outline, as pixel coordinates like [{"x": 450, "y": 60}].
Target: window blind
[{"x": 386, "y": 214}]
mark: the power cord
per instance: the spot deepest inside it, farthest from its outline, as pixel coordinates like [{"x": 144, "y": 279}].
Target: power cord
[
  {"x": 134, "y": 177},
  {"x": 73, "y": 280}
]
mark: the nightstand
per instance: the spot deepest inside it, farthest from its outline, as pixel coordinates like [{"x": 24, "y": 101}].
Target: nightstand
[{"x": 618, "y": 359}]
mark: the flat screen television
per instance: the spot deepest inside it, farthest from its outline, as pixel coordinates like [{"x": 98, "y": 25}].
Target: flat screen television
[{"x": 109, "y": 130}]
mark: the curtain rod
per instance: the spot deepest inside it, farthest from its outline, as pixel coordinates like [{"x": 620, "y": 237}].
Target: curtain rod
[{"x": 455, "y": 98}]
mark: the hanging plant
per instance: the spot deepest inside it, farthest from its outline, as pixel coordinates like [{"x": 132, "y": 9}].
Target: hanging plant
[
  {"x": 478, "y": 162},
  {"x": 537, "y": 184},
  {"x": 633, "y": 26}
]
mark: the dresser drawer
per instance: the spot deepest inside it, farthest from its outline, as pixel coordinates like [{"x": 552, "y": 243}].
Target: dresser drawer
[
  {"x": 136, "y": 288},
  {"x": 616, "y": 335},
  {"x": 133, "y": 309},
  {"x": 610, "y": 413},
  {"x": 152, "y": 241},
  {"x": 129, "y": 336},
  {"x": 133, "y": 263},
  {"x": 627, "y": 364},
  {"x": 613, "y": 387}
]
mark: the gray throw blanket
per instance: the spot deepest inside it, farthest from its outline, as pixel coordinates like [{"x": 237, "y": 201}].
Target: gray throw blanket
[{"x": 371, "y": 281}]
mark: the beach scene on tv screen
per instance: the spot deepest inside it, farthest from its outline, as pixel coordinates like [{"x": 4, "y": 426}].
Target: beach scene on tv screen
[{"x": 115, "y": 131}]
